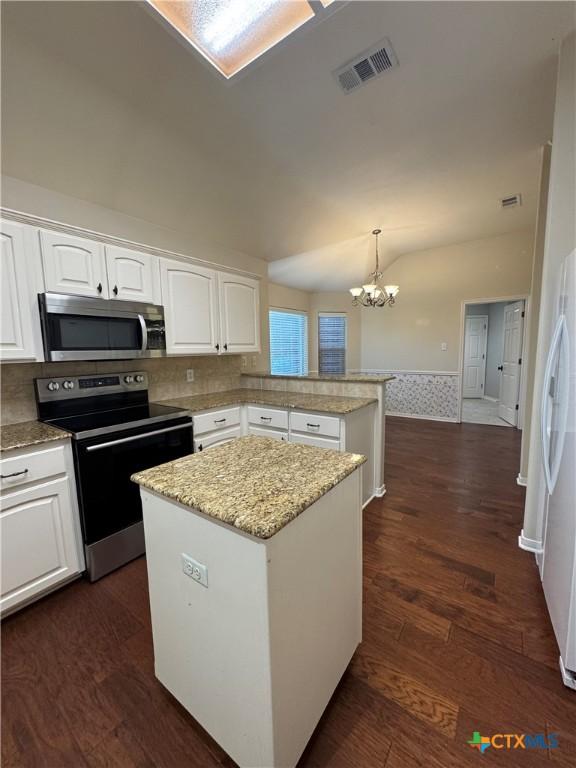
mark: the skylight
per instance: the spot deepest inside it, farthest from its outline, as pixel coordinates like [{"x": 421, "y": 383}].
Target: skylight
[{"x": 232, "y": 33}]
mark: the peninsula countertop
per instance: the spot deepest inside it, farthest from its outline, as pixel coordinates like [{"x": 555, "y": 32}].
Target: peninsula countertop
[
  {"x": 306, "y": 402},
  {"x": 28, "y": 433},
  {"x": 255, "y": 484},
  {"x": 358, "y": 378}
]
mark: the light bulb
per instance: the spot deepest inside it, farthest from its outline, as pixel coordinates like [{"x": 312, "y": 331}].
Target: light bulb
[
  {"x": 391, "y": 290},
  {"x": 356, "y": 292}
]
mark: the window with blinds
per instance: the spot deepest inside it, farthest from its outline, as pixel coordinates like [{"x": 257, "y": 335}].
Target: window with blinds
[
  {"x": 331, "y": 342},
  {"x": 288, "y": 342}
]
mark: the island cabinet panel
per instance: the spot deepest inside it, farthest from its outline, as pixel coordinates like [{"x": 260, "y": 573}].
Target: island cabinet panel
[{"x": 239, "y": 653}]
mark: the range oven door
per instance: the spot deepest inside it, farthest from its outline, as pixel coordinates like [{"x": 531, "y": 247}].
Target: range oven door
[
  {"x": 110, "y": 506},
  {"x": 79, "y": 328}
]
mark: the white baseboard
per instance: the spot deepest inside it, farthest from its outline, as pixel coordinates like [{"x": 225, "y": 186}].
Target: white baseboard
[
  {"x": 491, "y": 399},
  {"x": 450, "y": 419},
  {"x": 521, "y": 480},
  {"x": 379, "y": 492},
  {"x": 530, "y": 545}
]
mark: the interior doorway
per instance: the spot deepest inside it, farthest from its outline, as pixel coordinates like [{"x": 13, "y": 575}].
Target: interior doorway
[{"x": 491, "y": 380}]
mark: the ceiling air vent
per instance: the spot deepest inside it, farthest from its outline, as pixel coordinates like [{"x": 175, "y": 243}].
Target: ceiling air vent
[
  {"x": 366, "y": 66},
  {"x": 512, "y": 201}
]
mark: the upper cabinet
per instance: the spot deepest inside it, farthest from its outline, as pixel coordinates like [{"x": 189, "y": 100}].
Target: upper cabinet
[
  {"x": 209, "y": 312},
  {"x": 190, "y": 298},
  {"x": 20, "y": 279},
  {"x": 133, "y": 276},
  {"x": 73, "y": 265},
  {"x": 239, "y": 313}
]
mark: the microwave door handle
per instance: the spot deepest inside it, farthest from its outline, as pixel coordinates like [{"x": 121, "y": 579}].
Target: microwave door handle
[{"x": 144, "y": 329}]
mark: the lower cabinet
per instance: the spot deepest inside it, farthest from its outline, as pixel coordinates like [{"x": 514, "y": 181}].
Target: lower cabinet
[
  {"x": 40, "y": 528},
  {"x": 204, "y": 442},
  {"x": 274, "y": 434}
]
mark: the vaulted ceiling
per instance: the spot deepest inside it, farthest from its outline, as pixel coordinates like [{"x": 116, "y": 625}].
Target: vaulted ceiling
[{"x": 280, "y": 162}]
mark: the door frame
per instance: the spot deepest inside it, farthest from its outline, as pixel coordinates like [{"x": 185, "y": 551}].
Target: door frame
[
  {"x": 525, "y": 297},
  {"x": 486, "y": 331}
]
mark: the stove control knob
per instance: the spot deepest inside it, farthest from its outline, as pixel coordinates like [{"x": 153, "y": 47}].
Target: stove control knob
[
  {"x": 53, "y": 386},
  {"x": 68, "y": 384},
  {"x": 139, "y": 379},
  {"x": 128, "y": 379}
]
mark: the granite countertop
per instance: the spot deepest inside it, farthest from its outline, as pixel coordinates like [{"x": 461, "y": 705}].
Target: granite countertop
[
  {"x": 255, "y": 484},
  {"x": 28, "y": 433},
  {"x": 307, "y": 402},
  {"x": 361, "y": 378}
]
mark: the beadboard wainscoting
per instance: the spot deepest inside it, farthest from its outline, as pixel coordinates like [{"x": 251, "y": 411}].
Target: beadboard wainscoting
[
  {"x": 422, "y": 394},
  {"x": 167, "y": 379}
]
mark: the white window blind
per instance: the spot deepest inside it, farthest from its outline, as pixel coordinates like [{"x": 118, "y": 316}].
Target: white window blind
[
  {"x": 288, "y": 342},
  {"x": 331, "y": 342}
]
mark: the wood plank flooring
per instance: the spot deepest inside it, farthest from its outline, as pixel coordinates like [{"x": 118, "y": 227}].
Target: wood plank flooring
[{"x": 456, "y": 638}]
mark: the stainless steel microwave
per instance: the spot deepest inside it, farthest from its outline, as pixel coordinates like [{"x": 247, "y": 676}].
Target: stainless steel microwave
[{"x": 81, "y": 328}]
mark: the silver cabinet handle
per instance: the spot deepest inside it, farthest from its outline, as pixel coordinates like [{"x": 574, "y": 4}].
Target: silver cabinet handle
[
  {"x": 143, "y": 435},
  {"x": 14, "y": 474}
]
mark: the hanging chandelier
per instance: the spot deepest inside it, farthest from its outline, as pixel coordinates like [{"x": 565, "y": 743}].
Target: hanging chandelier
[{"x": 373, "y": 294}]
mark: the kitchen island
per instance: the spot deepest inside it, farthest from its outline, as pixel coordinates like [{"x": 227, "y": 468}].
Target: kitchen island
[{"x": 254, "y": 553}]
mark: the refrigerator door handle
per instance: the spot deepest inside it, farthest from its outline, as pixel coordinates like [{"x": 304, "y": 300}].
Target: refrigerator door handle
[{"x": 549, "y": 390}]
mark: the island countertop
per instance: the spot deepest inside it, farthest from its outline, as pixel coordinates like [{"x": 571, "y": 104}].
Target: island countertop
[
  {"x": 358, "y": 378},
  {"x": 27, "y": 433},
  {"x": 306, "y": 402},
  {"x": 255, "y": 484}
]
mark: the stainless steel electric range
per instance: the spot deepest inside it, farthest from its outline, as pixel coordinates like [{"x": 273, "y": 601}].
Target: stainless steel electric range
[{"x": 115, "y": 432}]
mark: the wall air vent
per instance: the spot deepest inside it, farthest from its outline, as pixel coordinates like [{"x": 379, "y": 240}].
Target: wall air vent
[
  {"x": 366, "y": 66},
  {"x": 512, "y": 201}
]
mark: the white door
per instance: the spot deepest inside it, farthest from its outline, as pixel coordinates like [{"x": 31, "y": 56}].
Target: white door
[
  {"x": 39, "y": 547},
  {"x": 511, "y": 362},
  {"x": 239, "y": 313},
  {"x": 19, "y": 318},
  {"x": 133, "y": 276},
  {"x": 190, "y": 299},
  {"x": 476, "y": 333},
  {"x": 73, "y": 265}
]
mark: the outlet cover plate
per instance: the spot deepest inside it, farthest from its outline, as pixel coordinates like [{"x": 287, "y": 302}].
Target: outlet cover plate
[{"x": 195, "y": 570}]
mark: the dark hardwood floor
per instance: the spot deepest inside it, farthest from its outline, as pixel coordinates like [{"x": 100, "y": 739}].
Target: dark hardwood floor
[{"x": 456, "y": 638}]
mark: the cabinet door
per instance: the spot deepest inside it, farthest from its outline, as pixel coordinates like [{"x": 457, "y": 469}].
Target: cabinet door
[
  {"x": 19, "y": 318},
  {"x": 219, "y": 437},
  {"x": 317, "y": 442},
  {"x": 39, "y": 546},
  {"x": 239, "y": 313},
  {"x": 190, "y": 299},
  {"x": 132, "y": 276},
  {"x": 73, "y": 265}
]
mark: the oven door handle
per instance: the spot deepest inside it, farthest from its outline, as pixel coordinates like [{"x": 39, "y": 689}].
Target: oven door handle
[
  {"x": 130, "y": 439},
  {"x": 144, "y": 328}
]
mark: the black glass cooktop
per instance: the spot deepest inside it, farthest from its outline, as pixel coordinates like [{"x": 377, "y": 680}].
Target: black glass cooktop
[{"x": 117, "y": 419}]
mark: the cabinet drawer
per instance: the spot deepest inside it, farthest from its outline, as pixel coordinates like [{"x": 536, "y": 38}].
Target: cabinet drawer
[
  {"x": 31, "y": 467},
  {"x": 275, "y": 434},
  {"x": 315, "y": 424},
  {"x": 317, "y": 442},
  {"x": 208, "y": 422},
  {"x": 218, "y": 438},
  {"x": 267, "y": 417}
]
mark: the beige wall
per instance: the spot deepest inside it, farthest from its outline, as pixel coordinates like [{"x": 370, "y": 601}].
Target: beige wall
[
  {"x": 283, "y": 297},
  {"x": 433, "y": 285}
]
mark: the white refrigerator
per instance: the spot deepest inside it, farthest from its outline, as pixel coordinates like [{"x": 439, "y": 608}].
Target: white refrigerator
[{"x": 558, "y": 434}]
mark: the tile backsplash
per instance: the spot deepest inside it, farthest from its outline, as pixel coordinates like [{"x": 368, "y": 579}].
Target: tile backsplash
[{"x": 167, "y": 379}]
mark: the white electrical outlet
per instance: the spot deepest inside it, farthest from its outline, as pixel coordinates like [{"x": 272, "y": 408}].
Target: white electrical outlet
[
  {"x": 195, "y": 570},
  {"x": 254, "y": 361},
  {"x": 190, "y": 374},
  {"x": 444, "y": 346},
  {"x": 244, "y": 361}
]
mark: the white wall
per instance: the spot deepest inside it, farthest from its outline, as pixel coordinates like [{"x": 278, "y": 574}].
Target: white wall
[{"x": 433, "y": 285}]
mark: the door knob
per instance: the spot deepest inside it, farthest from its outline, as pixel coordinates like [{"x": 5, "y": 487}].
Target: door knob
[
  {"x": 115, "y": 290},
  {"x": 99, "y": 287}
]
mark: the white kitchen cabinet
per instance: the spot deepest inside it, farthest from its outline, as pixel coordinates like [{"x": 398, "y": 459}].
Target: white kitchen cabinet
[
  {"x": 39, "y": 525},
  {"x": 73, "y": 265},
  {"x": 239, "y": 313},
  {"x": 190, "y": 298},
  {"x": 20, "y": 281},
  {"x": 221, "y": 436},
  {"x": 132, "y": 275},
  {"x": 274, "y": 434}
]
